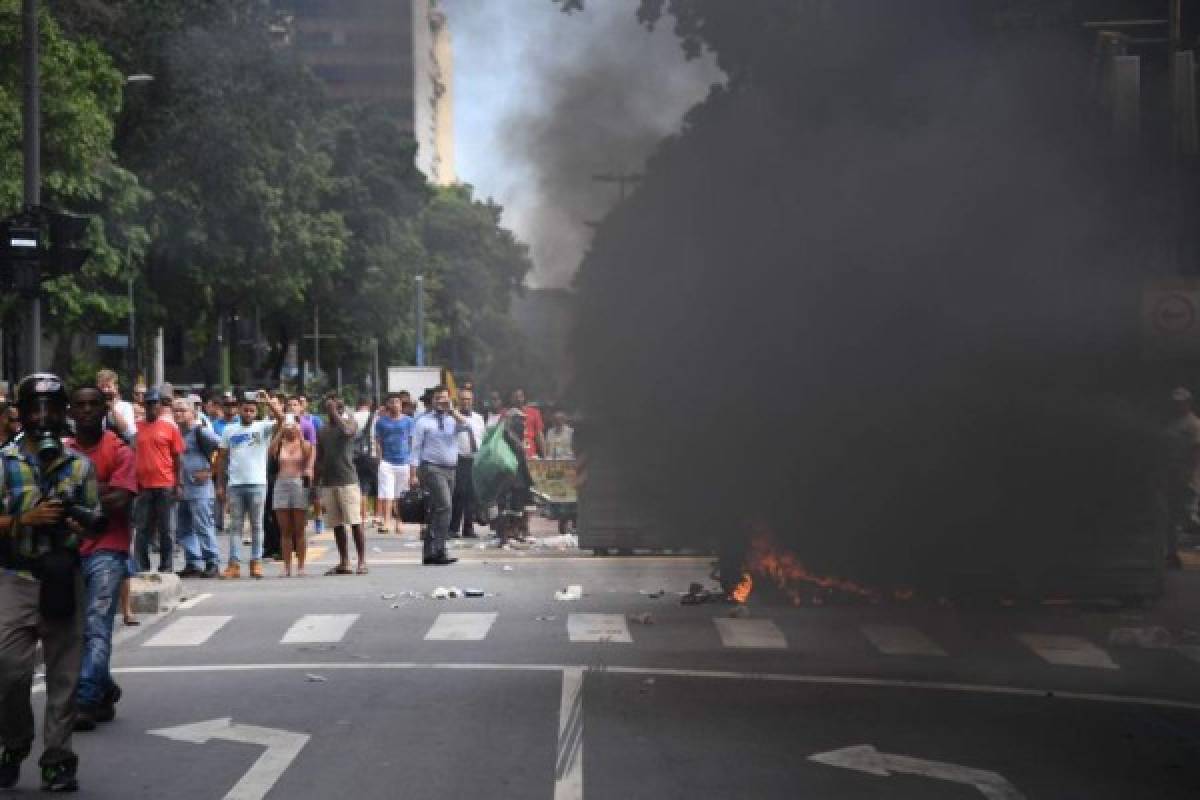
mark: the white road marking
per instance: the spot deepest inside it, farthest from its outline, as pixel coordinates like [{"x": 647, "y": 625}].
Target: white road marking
[
  {"x": 1067, "y": 651},
  {"x": 192, "y": 602},
  {"x": 572, "y": 592},
  {"x": 750, "y": 633},
  {"x": 865, "y": 758},
  {"x": 901, "y": 640},
  {"x": 568, "y": 766},
  {"x": 188, "y": 632},
  {"x": 282, "y": 749},
  {"x": 598, "y": 628},
  {"x": 319, "y": 628},
  {"x": 1049, "y": 695},
  {"x": 464, "y": 627}
]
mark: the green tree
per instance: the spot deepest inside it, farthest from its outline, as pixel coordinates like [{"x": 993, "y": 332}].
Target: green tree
[{"x": 81, "y": 95}]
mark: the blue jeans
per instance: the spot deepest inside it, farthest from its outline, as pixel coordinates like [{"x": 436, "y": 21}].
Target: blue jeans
[
  {"x": 154, "y": 512},
  {"x": 103, "y": 572},
  {"x": 243, "y": 502},
  {"x": 196, "y": 534}
]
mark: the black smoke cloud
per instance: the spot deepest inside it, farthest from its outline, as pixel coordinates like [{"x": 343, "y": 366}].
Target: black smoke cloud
[{"x": 885, "y": 305}]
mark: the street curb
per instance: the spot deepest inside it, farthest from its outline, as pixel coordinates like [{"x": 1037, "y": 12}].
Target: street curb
[{"x": 154, "y": 592}]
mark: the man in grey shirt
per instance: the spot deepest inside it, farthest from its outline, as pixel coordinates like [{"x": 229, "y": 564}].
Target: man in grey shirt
[
  {"x": 336, "y": 481},
  {"x": 435, "y": 458}
]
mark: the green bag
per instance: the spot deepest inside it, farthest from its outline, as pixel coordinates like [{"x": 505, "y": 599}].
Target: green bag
[{"x": 495, "y": 466}]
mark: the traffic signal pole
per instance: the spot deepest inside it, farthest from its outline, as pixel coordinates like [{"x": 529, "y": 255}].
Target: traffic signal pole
[{"x": 31, "y": 140}]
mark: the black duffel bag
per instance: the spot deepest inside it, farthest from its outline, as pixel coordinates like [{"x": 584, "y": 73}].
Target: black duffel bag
[{"x": 413, "y": 506}]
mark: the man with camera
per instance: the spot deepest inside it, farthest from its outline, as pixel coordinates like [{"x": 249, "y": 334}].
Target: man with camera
[
  {"x": 50, "y": 499},
  {"x": 105, "y": 557}
]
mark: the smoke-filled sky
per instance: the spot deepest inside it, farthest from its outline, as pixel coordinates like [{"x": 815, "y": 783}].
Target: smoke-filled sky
[{"x": 545, "y": 100}]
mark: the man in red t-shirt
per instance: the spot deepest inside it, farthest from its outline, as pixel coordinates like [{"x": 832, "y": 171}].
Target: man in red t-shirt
[
  {"x": 159, "y": 451},
  {"x": 535, "y": 427},
  {"x": 105, "y": 557}
]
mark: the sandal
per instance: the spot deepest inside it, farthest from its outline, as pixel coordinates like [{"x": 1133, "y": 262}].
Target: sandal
[{"x": 339, "y": 570}]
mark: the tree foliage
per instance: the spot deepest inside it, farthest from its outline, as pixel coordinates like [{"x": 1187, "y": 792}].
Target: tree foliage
[
  {"x": 255, "y": 196},
  {"x": 80, "y": 101}
]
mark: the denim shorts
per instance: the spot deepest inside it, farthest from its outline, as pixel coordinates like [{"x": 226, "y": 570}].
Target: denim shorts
[{"x": 289, "y": 494}]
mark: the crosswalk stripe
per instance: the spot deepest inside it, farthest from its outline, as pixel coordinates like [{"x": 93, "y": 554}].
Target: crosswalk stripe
[
  {"x": 314, "y": 628},
  {"x": 188, "y": 631},
  {"x": 192, "y": 602},
  {"x": 901, "y": 640},
  {"x": 598, "y": 628},
  {"x": 1067, "y": 651},
  {"x": 461, "y": 627},
  {"x": 314, "y": 553},
  {"x": 750, "y": 633}
]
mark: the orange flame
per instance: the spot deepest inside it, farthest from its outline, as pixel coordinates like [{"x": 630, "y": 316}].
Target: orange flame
[
  {"x": 791, "y": 577},
  {"x": 741, "y": 592}
]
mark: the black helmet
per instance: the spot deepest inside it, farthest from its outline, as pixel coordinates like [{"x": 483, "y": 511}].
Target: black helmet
[{"x": 38, "y": 385}]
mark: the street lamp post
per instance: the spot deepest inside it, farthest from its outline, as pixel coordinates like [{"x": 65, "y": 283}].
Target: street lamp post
[
  {"x": 419, "y": 319},
  {"x": 31, "y": 147},
  {"x": 131, "y": 349}
]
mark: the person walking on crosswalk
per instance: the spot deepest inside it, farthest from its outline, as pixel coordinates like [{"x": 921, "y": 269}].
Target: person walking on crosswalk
[{"x": 434, "y": 460}]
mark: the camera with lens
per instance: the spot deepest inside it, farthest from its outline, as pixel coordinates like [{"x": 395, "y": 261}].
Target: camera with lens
[
  {"x": 57, "y": 565},
  {"x": 92, "y": 520}
]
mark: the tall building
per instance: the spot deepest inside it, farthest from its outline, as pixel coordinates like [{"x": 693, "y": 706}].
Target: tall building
[
  {"x": 434, "y": 91},
  {"x": 395, "y": 53}
]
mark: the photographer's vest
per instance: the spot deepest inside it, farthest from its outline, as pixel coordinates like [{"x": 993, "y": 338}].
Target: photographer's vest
[{"x": 23, "y": 484}]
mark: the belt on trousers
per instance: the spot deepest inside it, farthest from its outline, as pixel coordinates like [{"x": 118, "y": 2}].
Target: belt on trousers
[{"x": 439, "y": 466}]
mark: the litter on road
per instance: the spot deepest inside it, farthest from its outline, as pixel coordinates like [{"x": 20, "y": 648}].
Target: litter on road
[
  {"x": 643, "y": 618},
  {"x": 572, "y": 592},
  {"x": 311, "y": 678}
]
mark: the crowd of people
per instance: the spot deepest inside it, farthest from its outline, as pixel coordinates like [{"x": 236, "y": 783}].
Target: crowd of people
[{"x": 97, "y": 488}]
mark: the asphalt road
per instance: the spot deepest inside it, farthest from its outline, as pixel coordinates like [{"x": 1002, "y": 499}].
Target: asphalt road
[{"x": 364, "y": 686}]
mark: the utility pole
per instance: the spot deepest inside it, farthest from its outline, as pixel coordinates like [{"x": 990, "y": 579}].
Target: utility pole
[
  {"x": 31, "y": 143},
  {"x": 317, "y": 336},
  {"x": 375, "y": 367},
  {"x": 419, "y": 316},
  {"x": 131, "y": 350}
]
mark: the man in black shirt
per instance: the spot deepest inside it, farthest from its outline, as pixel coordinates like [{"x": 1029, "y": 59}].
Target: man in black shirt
[{"x": 336, "y": 481}]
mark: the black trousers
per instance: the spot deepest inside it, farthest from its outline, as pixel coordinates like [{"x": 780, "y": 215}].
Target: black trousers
[{"x": 463, "y": 507}]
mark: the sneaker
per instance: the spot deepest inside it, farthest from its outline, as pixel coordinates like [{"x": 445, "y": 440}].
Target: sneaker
[
  {"x": 10, "y": 767},
  {"x": 256, "y": 569},
  {"x": 211, "y": 571},
  {"x": 190, "y": 572},
  {"x": 107, "y": 710},
  {"x": 234, "y": 570},
  {"x": 59, "y": 777}
]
